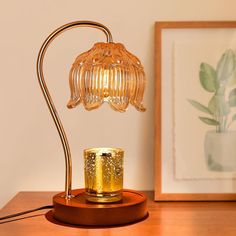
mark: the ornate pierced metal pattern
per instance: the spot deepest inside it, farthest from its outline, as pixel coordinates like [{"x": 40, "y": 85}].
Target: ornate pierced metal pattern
[{"x": 103, "y": 169}]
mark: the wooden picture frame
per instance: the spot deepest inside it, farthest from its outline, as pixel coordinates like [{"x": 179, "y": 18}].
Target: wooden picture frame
[{"x": 161, "y": 169}]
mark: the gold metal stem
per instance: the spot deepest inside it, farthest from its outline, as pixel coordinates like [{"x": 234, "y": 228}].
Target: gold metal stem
[{"x": 45, "y": 91}]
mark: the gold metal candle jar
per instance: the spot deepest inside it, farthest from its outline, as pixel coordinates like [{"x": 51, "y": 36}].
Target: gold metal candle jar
[{"x": 103, "y": 169}]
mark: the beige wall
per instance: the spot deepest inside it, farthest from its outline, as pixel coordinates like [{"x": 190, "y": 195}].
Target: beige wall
[{"x": 31, "y": 156}]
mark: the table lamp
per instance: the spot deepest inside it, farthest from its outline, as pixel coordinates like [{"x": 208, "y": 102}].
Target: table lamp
[{"x": 105, "y": 73}]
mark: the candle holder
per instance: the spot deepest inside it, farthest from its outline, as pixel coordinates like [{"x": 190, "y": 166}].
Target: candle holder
[{"x": 103, "y": 171}]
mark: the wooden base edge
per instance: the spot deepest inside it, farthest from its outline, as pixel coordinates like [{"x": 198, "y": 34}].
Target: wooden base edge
[{"x": 78, "y": 211}]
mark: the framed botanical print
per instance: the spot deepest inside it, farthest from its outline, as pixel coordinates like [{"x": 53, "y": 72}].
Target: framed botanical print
[{"x": 195, "y": 111}]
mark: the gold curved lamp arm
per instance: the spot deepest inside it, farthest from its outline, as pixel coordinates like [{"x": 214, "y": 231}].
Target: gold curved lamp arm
[{"x": 45, "y": 91}]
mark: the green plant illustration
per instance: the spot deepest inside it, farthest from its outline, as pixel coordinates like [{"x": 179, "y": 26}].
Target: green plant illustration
[{"x": 221, "y": 83}]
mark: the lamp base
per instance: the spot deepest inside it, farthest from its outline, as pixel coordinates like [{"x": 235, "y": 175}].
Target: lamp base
[{"x": 78, "y": 211}]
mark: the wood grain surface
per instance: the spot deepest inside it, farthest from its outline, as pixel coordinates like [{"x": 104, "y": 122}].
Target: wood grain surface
[
  {"x": 165, "y": 218},
  {"x": 79, "y": 211}
]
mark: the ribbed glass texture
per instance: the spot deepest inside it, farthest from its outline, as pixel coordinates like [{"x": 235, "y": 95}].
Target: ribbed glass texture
[{"x": 107, "y": 72}]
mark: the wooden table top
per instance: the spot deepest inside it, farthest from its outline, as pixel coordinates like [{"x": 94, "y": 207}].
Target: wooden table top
[{"x": 165, "y": 218}]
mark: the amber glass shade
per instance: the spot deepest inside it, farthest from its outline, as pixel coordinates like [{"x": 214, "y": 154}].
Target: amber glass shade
[{"x": 107, "y": 72}]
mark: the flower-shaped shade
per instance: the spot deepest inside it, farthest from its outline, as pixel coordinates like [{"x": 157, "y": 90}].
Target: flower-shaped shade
[{"x": 107, "y": 72}]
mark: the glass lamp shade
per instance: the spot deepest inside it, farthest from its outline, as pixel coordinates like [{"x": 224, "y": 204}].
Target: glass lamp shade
[{"x": 107, "y": 73}]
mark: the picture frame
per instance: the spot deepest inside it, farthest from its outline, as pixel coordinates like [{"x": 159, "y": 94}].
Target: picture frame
[{"x": 181, "y": 46}]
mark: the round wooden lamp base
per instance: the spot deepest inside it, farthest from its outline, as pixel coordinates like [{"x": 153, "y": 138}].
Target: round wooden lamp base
[{"x": 78, "y": 211}]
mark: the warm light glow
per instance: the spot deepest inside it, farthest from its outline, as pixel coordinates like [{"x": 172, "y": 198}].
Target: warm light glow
[
  {"x": 106, "y": 84},
  {"x": 107, "y": 72}
]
